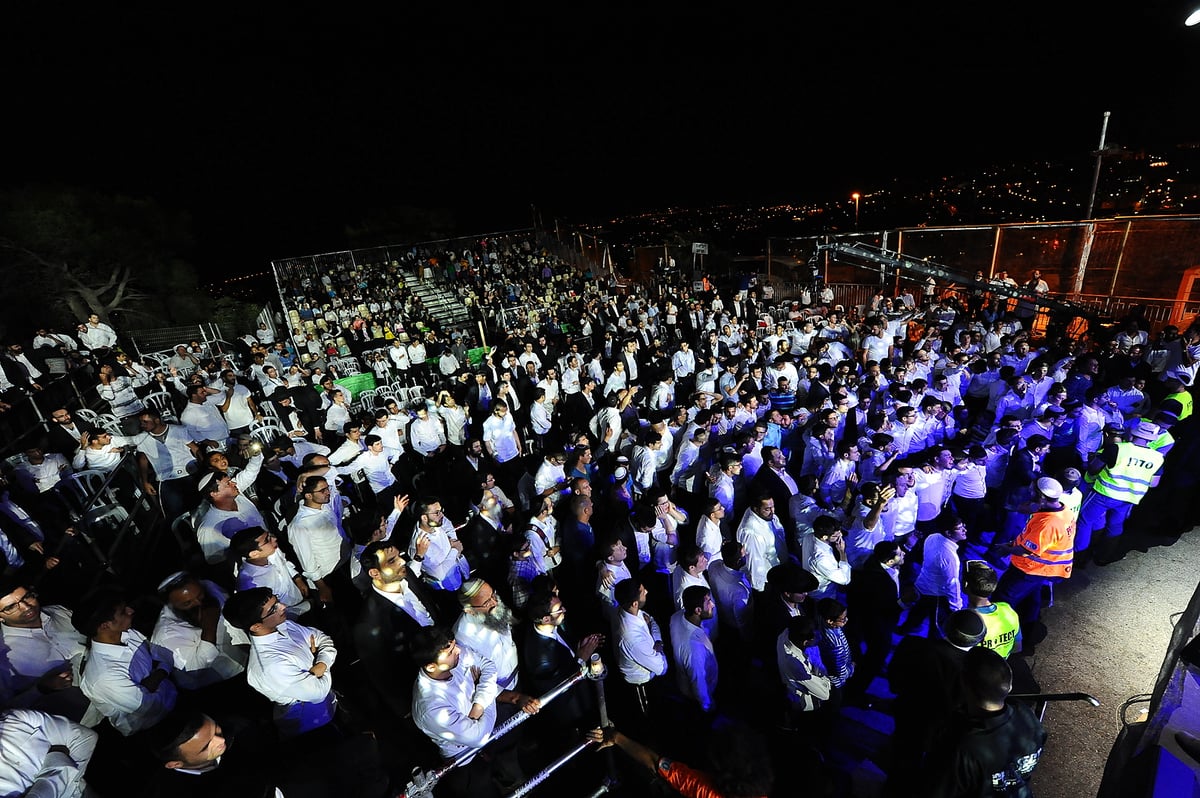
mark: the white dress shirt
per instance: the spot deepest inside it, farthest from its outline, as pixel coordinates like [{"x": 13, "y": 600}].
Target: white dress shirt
[
  {"x": 828, "y": 569},
  {"x": 218, "y": 527},
  {"x": 761, "y": 541},
  {"x": 733, "y": 595},
  {"x": 279, "y": 668},
  {"x": 27, "y": 765},
  {"x": 491, "y": 644},
  {"x": 279, "y": 575},
  {"x": 441, "y": 708},
  {"x": 112, "y": 679},
  {"x": 695, "y": 661},
  {"x": 940, "y": 569},
  {"x": 199, "y": 663},
  {"x": 168, "y": 453},
  {"x": 444, "y": 566},
  {"x": 317, "y": 541},
  {"x": 636, "y": 635}
]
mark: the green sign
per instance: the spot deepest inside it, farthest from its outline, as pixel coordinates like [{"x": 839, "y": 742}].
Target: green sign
[{"x": 356, "y": 384}]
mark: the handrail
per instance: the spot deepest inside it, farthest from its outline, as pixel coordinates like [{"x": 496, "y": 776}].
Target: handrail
[{"x": 545, "y": 772}]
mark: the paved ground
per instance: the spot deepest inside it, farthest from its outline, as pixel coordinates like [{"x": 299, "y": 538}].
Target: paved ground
[{"x": 1108, "y": 634}]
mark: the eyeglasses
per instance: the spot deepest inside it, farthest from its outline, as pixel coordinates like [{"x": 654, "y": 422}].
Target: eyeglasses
[
  {"x": 490, "y": 600},
  {"x": 276, "y": 608},
  {"x": 27, "y": 600}
]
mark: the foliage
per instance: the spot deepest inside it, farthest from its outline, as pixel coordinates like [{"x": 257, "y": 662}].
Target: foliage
[{"x": 66, "y": 253}]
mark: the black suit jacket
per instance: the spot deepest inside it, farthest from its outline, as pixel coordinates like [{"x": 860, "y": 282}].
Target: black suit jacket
[
  {"x": 64, "y": 442},
  {"x": 577, "y": 411},
  {"x": 874, "y": 599},
  {"x": 384, "y": 635},
  {"x": 485, "y": 549},
  {"x": 546, "y": 663}
]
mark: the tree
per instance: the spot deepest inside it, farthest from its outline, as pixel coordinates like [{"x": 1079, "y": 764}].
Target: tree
[{"x": 85, "y": 252}]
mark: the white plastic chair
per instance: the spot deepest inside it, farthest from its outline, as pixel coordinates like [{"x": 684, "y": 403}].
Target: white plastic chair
[{"x": 160, "y": 401}]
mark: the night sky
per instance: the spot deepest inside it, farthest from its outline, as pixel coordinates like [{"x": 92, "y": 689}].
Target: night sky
[{"x": 274, "y": 128}]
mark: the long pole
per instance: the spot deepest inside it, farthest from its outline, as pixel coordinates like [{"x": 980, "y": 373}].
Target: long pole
[{"x": 1089, "y": 233}]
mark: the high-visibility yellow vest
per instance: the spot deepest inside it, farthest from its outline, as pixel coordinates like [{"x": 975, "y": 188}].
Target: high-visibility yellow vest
[
  {"x": 1184, "y": 398},
  {"x": 1002, "y": 624},
  {"x": 1132, "y": 474}
]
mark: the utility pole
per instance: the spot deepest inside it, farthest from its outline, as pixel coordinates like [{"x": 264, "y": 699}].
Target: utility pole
[{"x": 1089, "y": 232}]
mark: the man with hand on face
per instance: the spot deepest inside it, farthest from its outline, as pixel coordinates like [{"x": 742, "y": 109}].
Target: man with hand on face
[
  {"x": 205, "y": 649},
  {"x": 442, "y": 563}
]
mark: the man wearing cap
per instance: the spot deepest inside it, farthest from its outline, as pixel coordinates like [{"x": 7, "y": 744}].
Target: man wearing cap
[
  {"x": 1041, "y": 555},
  {"x": 1124, "y": 471}
]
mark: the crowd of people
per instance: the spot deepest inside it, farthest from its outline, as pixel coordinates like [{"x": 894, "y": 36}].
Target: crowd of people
[{"x": 756, "y": 513}]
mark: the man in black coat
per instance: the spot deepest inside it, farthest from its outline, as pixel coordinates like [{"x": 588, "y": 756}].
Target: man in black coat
[
  {"x": 873, "y": 601},
  {"x": 580, "y": 407},
  {"x": 63, "y": 435},
  {"x": 397, "y": 606},
  {"x": 774, "y": 480},
  {"x": 548, "y": 659},
  {"x": 924, "y": 675},
  {"x": 485, "y": 543}
]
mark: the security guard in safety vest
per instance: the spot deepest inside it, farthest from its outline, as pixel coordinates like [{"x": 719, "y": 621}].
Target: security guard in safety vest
[
  {"x": 1041, "y": 555},
  {"x": 1003, "y": 625},
  {"x": 1123, "y": 471}
]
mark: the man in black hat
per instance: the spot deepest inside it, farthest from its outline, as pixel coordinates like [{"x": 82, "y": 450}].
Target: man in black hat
[{"x": 924, "y": 675}]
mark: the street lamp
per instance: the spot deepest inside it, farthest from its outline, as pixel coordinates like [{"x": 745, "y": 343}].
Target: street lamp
[
  {"x": 855, "y": 196},
  {"x": 1193, "y": 18}
]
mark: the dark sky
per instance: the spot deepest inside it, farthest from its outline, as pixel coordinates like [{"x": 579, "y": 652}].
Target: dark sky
[{"x": 274, "y": 127}]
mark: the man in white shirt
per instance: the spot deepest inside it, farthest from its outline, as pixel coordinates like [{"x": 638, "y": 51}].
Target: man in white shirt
[
  {"x": 240, "y": 411},
  {"x": 455, "y": 703},
  {"x": 443, "y": 565},
  {"x": 319, "y": 543},
  {"x": 170, "y": 450},
  {"x": 938, "y": 585},
  {"x": 40, "y": 653},
  {"x": 639, "y": 641},
  {"x": 204, "y": 421},
  {"x": 205, "y": 649},
  {"x": 500, "y": 435},
  {"x": 732, "y": 591},
  {"x": 376, "y": 463},
  {"x": 828, "y": 562},
  {"x": 289, "y": 663},
  {"x": 228, "y": 511},
  {"x": 43, "y": 755},
  {"x": 262, "y": 564},
  {"x": 126, "y": 676},
  {"x": 764, "y": 538},
  {"x": 695, "y": 661},
  {"x": 486, "y": 628}
]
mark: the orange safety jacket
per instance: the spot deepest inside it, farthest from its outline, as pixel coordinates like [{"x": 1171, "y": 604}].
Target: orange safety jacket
[{"x": 1048, "y": 541}]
